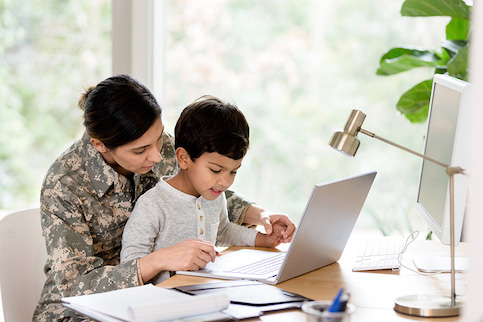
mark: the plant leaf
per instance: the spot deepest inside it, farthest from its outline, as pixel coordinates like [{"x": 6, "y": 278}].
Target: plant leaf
[
  {"x": 445, "y": 57},
  {"x": 440, "y": 69},
  {"x": 399, "y": 59},
  {"x": 451, "y": 48},
  {"x": 420, "y": 116},
  {"x": 415, "y": 102},
  {"x": 458, "y": 29},
  {"x": 430, "y": 8},
  {"x": 458, "y": 65}
]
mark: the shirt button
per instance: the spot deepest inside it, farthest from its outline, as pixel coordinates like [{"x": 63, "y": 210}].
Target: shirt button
[
  {"x": 201, "y": 218},
  {"x": 199, "y": 207},
  {"x": 201, "y": 231}
]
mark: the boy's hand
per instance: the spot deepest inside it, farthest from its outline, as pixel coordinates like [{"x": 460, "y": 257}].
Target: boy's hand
[{"x": 189, "y": 254}]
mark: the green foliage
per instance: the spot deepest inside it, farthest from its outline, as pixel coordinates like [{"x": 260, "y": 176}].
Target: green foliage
[
  {"x": 432, "y": 8},
  {"x": 401, "y": 59},
  {"x": 451, "y": 58},
  {"x": 49, "y": 50},
  {"x": 414, "y": 103}
]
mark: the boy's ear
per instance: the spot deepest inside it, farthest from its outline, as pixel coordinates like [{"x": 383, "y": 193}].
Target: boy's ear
[
  {"x": 98, "y": 145},
  {"x": 183, "y": 158}
]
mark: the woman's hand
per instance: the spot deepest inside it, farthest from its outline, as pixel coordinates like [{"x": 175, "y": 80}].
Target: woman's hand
[
  {"x": 256, "y": 215},
  {"x": 280, "y": 224},
  {"x": 189, "y": 254},
  {"x": 273, "y": 239}
]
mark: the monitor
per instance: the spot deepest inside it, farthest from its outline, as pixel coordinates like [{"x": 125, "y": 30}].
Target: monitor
[{"x": 446, "y": 140}]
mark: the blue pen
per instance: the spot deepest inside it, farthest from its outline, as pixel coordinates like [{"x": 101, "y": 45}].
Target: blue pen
[{"x": 336, "y": 303}]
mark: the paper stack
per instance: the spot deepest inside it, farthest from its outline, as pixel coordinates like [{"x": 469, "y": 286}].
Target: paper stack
[{"x": 145, "y": 303}]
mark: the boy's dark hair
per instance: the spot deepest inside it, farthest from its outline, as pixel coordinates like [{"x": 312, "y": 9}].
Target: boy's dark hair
[{"x": 211, "y": 125}]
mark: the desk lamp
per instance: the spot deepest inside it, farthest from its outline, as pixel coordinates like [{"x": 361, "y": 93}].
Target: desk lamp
[{"x": 346, "y": 141}]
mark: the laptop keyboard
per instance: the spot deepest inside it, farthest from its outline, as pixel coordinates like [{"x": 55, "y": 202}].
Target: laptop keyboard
[
  {"x": 266, "y": 266},
  {"x": 379, "y": 253}
]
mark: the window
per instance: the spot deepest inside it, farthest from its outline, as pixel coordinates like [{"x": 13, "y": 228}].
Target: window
[
  {"x": 50, "y": 50},
  {"x": 297, "y": 69}
]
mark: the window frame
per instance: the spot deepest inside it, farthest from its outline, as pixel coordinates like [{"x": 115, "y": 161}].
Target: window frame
[{"x": 138, "y": 37}]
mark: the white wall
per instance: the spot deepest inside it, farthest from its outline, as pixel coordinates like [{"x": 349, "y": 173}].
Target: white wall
[{"x": 473, "y": 310}]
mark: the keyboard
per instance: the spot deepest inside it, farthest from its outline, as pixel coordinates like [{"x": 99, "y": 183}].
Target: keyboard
[
  {"x": 270, "y": 265},
  {"x": 379, "y": 253}
]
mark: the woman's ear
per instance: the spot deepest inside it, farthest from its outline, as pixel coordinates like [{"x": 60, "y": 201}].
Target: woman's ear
[
  {"x": 183, "y": 158},
  {"x": 98, "y": 145}
]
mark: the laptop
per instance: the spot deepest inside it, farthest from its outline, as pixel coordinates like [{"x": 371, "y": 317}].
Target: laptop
[{"x": 320, "y": 238}]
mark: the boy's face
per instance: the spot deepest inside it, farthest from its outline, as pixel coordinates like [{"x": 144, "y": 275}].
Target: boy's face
[{"x": 211, "y": 174}]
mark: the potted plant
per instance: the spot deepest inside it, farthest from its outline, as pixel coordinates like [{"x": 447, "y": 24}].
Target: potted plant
[{"x": 451, "y": 58}]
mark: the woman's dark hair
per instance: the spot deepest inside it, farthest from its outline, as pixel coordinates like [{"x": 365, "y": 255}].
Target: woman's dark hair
[
  {"x": 211, "y": 125},
  {"x": 118, "y": 110}
]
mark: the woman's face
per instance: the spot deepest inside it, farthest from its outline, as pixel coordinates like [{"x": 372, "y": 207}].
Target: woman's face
[{"x": 138, "y": 156}]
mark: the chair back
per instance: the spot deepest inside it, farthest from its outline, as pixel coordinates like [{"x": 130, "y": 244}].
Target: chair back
[{"x": 22, "y": 258}]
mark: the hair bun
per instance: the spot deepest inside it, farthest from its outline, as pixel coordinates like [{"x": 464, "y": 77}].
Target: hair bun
[{"x": 83, "y": 98}]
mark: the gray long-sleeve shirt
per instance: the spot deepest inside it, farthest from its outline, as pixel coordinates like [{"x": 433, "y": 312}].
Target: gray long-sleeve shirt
[{"x": 164, "y": 216}]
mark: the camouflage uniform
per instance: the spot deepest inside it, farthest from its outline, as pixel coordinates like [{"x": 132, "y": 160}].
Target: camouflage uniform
[{"x": 84, "y": 207}]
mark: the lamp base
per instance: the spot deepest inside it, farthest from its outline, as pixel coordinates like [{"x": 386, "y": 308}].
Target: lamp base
[{"x": 427, "y": 305}]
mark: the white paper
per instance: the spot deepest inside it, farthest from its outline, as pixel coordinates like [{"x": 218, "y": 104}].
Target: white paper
[
  {"x": 145, "y": 303},
  {"x": 171, "y": 309},
  {"x": 98, "y": 316}
]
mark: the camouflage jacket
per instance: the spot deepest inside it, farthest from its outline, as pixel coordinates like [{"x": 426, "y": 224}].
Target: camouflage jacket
[{"x": 84, "y": 207}]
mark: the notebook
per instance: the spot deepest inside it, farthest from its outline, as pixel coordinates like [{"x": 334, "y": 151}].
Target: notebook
[
  {"x": 248, "y": 299},
  {"x": 320, "y": 238}
]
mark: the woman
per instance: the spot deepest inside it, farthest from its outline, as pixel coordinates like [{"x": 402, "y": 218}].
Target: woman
[{"x": 90, "y": 190}]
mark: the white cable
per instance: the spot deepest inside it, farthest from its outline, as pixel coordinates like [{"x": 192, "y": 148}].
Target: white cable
[{"x": 414, "y": 235}]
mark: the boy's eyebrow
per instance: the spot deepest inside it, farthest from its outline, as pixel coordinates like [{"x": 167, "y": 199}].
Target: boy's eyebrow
[
  {"x": 144, "y": 146},
  {"x": 214, "y": 163}
]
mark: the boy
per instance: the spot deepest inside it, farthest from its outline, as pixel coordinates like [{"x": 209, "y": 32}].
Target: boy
[{"x": 211, "y": 140}]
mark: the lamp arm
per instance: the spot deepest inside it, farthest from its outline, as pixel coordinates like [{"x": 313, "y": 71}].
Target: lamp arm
[
  {"x": 450, "y": 171},
  {"x": 372, "y": 135}
]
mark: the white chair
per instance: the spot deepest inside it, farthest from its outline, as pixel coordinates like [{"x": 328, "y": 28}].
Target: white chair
[{"x": 22, "y": 258}]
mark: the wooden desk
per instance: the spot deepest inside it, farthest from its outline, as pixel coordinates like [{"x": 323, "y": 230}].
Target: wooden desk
[{"x": 373, "y": 293}]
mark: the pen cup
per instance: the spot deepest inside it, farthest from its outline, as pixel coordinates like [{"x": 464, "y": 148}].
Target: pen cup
[{"x": 317, "y": 311}]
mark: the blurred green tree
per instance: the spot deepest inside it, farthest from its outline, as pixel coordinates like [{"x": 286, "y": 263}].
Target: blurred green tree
[
  {"x": 49, "y": 49},
  {"x": 296, "y": 68}
]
